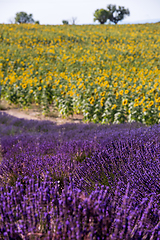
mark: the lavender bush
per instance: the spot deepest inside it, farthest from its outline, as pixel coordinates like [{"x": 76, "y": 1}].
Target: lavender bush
[{"x": 79, "y": 181}]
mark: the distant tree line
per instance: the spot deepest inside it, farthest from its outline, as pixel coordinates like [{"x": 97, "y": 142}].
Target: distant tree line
[{"x": 112, "y": 13}]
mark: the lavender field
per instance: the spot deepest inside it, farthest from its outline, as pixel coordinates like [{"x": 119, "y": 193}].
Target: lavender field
[{"x": 79, "y": 181}]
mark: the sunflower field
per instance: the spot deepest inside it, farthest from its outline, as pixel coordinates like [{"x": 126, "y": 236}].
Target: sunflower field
[{"x": 108, "y": 73}]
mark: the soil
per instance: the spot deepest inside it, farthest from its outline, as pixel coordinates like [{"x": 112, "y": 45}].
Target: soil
[{"x": 34, "y": 112}]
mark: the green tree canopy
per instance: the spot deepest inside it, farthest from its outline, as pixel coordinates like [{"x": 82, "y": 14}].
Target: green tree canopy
[
  {"x": 117, "y": 14},
  {"x": 112, "y": 13},
  {"x": 101, "y": 15},
  {"x": 37, "y": 22},
  {"x": 23, "y": 17},
  {"x": 65, "y": 22}
]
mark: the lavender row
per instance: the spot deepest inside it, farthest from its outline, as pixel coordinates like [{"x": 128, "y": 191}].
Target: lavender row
[
  {"x": 10, "y": 126},
  {"x": 137, "y": 164},
  {"x": 42, "y": 210}
]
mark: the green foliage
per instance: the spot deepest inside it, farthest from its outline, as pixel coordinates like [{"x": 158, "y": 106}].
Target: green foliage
[
  {"x": 117, "y": 14},
  {"x": 37, "y": 22},
  {"x": 23, "y": 17},
  {"x": 113, "y": 13},
  {"x": 65, "y": 22},
  {"x": 101, "y": 15}
]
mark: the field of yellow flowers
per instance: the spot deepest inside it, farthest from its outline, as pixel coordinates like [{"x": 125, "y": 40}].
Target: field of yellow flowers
[{"x": 108, "y": 73}]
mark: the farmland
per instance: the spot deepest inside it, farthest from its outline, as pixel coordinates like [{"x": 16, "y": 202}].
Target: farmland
[
  {"x": 93, "y": 180},
  {"x": 110, "y": 74}
]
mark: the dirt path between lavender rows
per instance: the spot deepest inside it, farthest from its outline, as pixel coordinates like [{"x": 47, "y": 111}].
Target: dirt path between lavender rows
[{"x": 35, "y": 113}]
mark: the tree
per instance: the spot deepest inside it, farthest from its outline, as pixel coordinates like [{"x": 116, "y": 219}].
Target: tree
[
  {"x": 37, "y": 22},
  {"x": 73, "y": 20},
  {"x": 101, "y": 15},
  {"x": 65, "y": 22},
  {"x": 117, "y": 14},
  {"x": 23, "y": 17}
]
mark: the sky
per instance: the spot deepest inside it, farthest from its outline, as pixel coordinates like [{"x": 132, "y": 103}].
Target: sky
[{"x": 54, "y": 11}]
